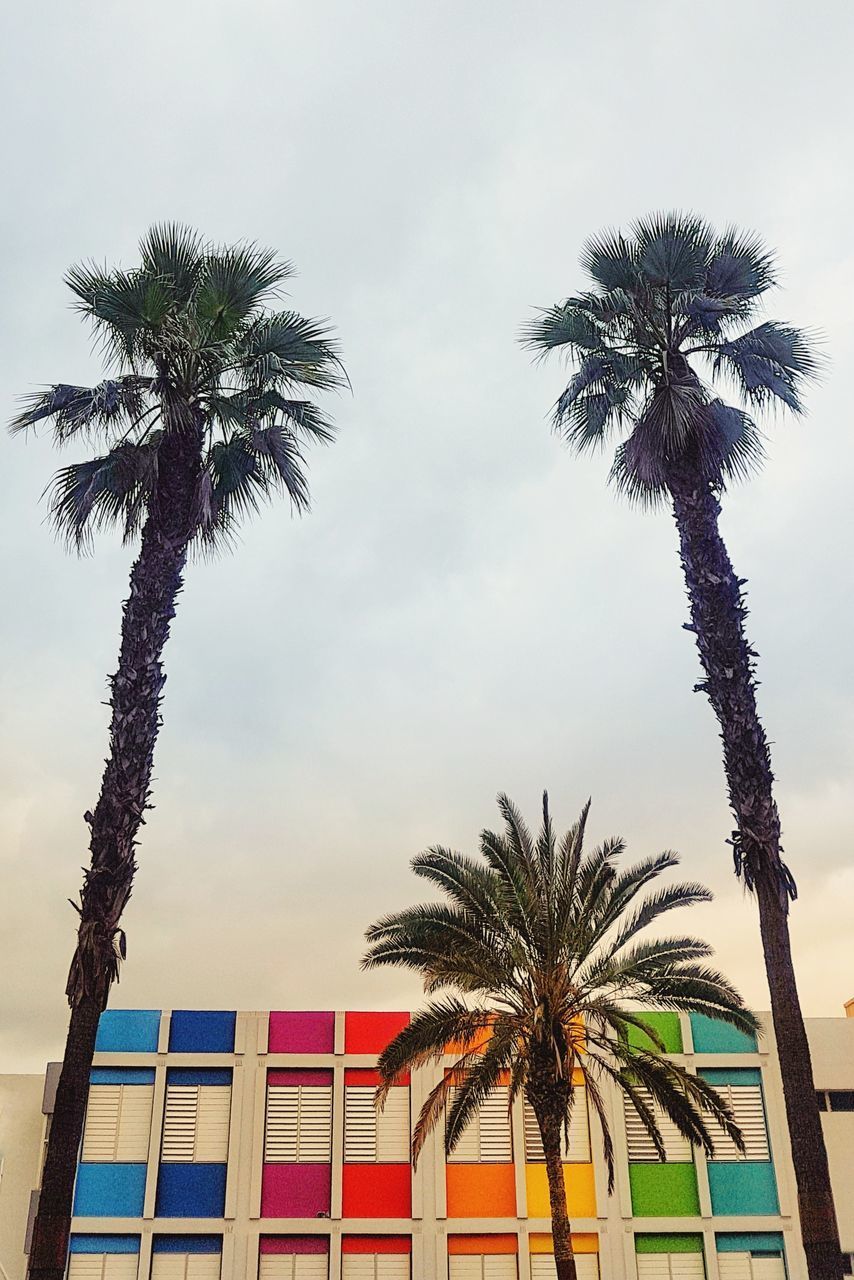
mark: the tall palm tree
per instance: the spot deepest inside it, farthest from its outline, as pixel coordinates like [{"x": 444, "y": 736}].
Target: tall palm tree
[
  {"x": 537, "y": 943},
  {"x": 203, "y": 417},
  {"x": 673, "y": 311}
]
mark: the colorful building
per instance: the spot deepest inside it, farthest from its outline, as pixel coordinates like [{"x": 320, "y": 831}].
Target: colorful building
[{"x": 246, "y": 1146}]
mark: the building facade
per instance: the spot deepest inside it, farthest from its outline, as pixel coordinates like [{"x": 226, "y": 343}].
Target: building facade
[{"x": 246, "y": 1146}]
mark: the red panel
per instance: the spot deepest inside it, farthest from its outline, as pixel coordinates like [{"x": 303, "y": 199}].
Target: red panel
[
  {"x": 364, "y": 1076},
  {"x": 377, "y": 1191},
  {"x": 376, "y": 1244},
  {"x": 371, "y": 1032}
]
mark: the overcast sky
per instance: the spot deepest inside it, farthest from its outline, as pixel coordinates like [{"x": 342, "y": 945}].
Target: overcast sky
[{"x": 467, "y": 609}]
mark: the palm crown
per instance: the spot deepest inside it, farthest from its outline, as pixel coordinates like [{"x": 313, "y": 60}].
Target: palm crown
[
  {"x": 671, "y": 294},
  {"x": 537, "y": 944},
  {"x": 191, "y": 335}
]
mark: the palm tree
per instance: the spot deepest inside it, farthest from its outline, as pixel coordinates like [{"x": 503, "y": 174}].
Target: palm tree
[
  {"x": 672, "y": 297},
  {"x": 202, "y": 418},
  {"x": 537, "y": 945}
]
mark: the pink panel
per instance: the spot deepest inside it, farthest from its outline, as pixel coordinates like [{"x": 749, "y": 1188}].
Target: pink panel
[
  {"x": 296, "y": 1190},
  {"x": 294, "y": 1244},
  {"x": 308, "y": 1076},
  {"x": 302, "y": 1032}
]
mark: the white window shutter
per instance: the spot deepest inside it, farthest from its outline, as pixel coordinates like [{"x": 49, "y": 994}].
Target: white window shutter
[
  {"x": 311, "y": 1266},
  {"x": 99, "y": 1134},
  {"x": 734, "y": 1266},
  {"x": 576, "y": 1150},
  {"x": 393, "y": 1127},
  {"x": 677, "y": 1148},
  {"x": 134, "y": 1131},
  {"x": 358, "y": 1266},
  {"x": 768, "y": 1268},
  {"x": 653, "y": 1266},
  {"x": 543, "y": 1266},
  {"x": 375, "y": 1266},
  {"x": 392, "y": 1266},
  {"x": 118, "y": 1125},
  {"x": 745, "y": 1101},
  {"x": 203, "y": 1266},
  {"x": 121, "y": 1266},
  {"x": 686, "y": 1266},
  {"x": 195, "y": 1125},
  {"x": 276, "y": 1266},
  {"x": 103, "y": 1266},
  {"x": 499, "y": 1266},
  {"x": 465, "y": 1266},
  {"x": 179, "y": 1128},
  {"x": 168, "y": 1266},
  {"x": 360, "y": 1125},
  {"x": 487, "y": 1138},
  {"x": 298, "y": 1127},
  {"x": 214, "y": 1114}
]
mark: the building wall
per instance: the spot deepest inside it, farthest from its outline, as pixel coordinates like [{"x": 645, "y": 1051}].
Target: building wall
[
  {"x": 21, "y": 1126},
  {"x": 207, "y": 1193}
]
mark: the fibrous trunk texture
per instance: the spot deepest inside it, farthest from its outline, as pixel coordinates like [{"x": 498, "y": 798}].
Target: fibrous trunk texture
[
  {"x": 548, "y": 1098},
  {"x": 136, "y": 691},
  {"x": 718, "y": 615}
]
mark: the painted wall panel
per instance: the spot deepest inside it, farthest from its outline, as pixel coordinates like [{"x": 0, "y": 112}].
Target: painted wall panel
[
  {"x": 201, "y": 1031},
  {"x": 662, "y": 1242},
  {"x": 128, "y": 1031},
  {"x": 82, "y": 1243},
  {"x": 377, "y": 1191},
  {"x": 498, "y": 1243},
  {"x": 371, "y": 1032},
  {"x": 294, "y": 1244},
  {"x": 296, "y": 1190},
  {"x": 302, "y": 1032},
  {"x": 191, "y": 1191},
  {"x": 376, "y": 1244},
  {"x": 743, "y": 1188},
  {"x": 481, "y": 1191},
  {"x": 580, "y": 1190},
  {"x": 741, "y": 1241},
  {"x": 712, "y": 1036},
  {"x": 664, "y": 1190},
  {"x": 110, "y": 1190},
  {"x": 187, "y": 1244},
  {"x": 665, "y": 1025},
  {"x": 582, "y": 1242}
]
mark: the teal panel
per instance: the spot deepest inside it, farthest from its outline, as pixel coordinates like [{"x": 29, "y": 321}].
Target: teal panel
[
  {"x": 104, "y": 1244},
  {"x": 712, "y": 1036},
  {"x": 742, "y": 1188},
  {"x": 128, "y": 1031},
  {"x": 732, "y": 1075},
  {"x": 749, "y": 1241},
  {"x": 121, "y": 1075}
]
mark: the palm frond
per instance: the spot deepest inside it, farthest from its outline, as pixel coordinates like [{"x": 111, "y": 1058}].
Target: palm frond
[
  {"x": 104, "y": 492},
  {"x": 175, "y": 254},
  {"x": 93, "y": 411}
]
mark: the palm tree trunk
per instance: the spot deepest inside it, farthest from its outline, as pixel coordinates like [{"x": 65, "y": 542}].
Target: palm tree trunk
[
  {"x": 550, "y": 1130},
  {"x": 718, "y": 615},
  {"x": 136, "y": 691}
]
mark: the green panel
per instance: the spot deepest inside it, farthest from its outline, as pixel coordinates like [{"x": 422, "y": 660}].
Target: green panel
[
  {"x": 665, "y": 1025},
  {"x": 732, "y": 1075},
  {"x": 712, "y": 1036},
  {"x": 749, "y": 1241},
  {"x": 688, "y": 1243},
  {"x": 742, "y": 1187},
  {"x": 664, "y": 1190}
]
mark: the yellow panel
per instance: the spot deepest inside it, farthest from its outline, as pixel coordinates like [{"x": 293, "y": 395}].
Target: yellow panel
[
  {"x": 580, "y": 1190},
  {"x": 583, "y": 1242}
]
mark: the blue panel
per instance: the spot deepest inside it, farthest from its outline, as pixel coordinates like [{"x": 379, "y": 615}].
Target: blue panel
[
  {"x": 121, "y": 1075},
  {"x": 128, "y": 1031},
  {"x": 743, "y": 1188},
  {"x": 187, "y": 1244},
  {"x": 713, "y": 1036},
  {"x": 110, "y": 1190},
  {"x": 191, "y": 1191},
  {"x": 749, "y": 1241},
  {"x": 201, "y": 1031},
  {"x": 198, "y": 1075},
  {"x": 104, "y": 1244},
  {"x": 731, "y": 1075}
]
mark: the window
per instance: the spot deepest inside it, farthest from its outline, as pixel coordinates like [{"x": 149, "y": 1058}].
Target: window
[
  {"x": 118, "y": 1124},
  {"x": 186, "y": 1257},
  {"x": 745, "y": 1101},
  {"x": 102, "y": 1266},
  {"x": 836, "y": 1100},
  {"x": 543, "y": 1266},
  {"x": 299, "y": 1124},
  {"x": 670, "y": 1266},
  {"x": 751, "y": 1266},
  {"x": 293, "y": 1266},
  {"x": 375, "y": 1266},
  {"x": 482, "y": 1266},
  {"x": 373, "y": 1136},
  {"x": 195, "y": 1121},
  {"x": 487, "y": 1137},
  {"x": 577, "y": 1149},
  {"x": 642, "y": 1150}
]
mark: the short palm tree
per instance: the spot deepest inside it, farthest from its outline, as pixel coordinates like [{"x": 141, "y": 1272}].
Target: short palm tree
[
  {"x": 672, "y": 311},
  {"x": 203, "y": 416},
  {"x": 538, "y": 946}
]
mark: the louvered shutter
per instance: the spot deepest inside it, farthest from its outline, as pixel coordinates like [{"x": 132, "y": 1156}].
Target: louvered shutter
[
  {"x": 576, "y": 1150},
  {"x": 185, "y": 1266},
  {"x": 741, "y": 1266},
  {"x": 299, "y": 1124},
  {"x": 670, "y": 1266},
  {"x": 118, "y": 1125},
  {"x": 195, "y": 1126},
  {"x": 293, "y": 1266},
  {"x": 768, "y": 1268},
  {"x": 499, "y": 1266},
  {"x": 641, "y": 1146},
  {"x": 482, "y": 1266},
  {"x": 370, "y": 1135},
  {"x": 745, "y": 1101},
  {"x": 103, "y": 1266},
  {"x": 375, "y": 1266},
  {"x": 487, "y": 1138},
  {"x": 543, "y": 1266}
]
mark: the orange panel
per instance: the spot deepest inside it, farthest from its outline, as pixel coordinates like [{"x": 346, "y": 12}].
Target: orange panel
[
  {"x": 481, "y": 1191},
  {"x": 584, "y": 1242},
  {"x": 580, "y": 1190},
  {"x": 482, "y": 1244},
  {"x": 377, "y": 1191}
]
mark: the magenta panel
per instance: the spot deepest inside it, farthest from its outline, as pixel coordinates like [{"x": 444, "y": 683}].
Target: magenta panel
[
  {"x": 308, "y": 1076},
  {"x": 296, "y": 1190},
  {"x": 302, "y": 1032},
  {"x": 294, "y": 1244}
]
